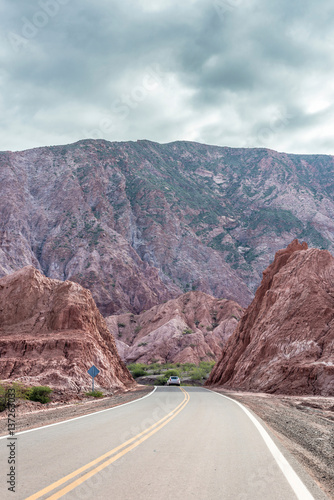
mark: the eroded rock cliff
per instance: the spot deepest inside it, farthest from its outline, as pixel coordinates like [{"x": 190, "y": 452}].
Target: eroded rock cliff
[
  {"x": 284, "y": 343},
  {"x": 189, "y": 329},
  {"x": 51, "y": 332}
]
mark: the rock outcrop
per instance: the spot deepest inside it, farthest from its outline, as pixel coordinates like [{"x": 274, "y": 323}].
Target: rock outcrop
[
  {"x": 51, "y": 332},
  {"x": 189, "y": 329},
  {"x": 284, "y": 343}
]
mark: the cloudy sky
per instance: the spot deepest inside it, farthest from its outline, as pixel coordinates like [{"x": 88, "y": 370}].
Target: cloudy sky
[{"x": 241, "y": 73}]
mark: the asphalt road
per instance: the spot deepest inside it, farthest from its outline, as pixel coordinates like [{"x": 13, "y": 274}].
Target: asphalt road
[{"x": 177, "y": 443}]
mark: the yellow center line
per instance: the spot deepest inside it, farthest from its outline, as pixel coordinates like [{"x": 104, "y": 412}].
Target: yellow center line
[{"x": 142, "y": 435}]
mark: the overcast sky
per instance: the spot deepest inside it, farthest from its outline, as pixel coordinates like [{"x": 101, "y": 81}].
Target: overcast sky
[{"x": 241, "y": 73}]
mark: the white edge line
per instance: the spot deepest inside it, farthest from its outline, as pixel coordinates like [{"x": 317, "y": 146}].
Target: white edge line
[
  {"x": 293, "y": 479},
  {"x": 77, "y": 418}
]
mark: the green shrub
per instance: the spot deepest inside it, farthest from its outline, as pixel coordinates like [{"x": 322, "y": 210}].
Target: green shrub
[
  {"x": 197, "y": 374},
  {"x": 138, "y": 372},
  {"x": 95, "y": 394},
  {"x": 3, "y": 398},
  {"x": 40, "y": 394},
  {"x": 207, "y": 366},
  {"x": 133, "y": 366},
  {"x": 155, "y": 368},
  {"x": 21, "y": 392},
  {"x": 187, "y": 331},
  {"x": 170, "y": 373},
  {"x": 161, "y": 380},
  {"x": 188, "y": 366}
]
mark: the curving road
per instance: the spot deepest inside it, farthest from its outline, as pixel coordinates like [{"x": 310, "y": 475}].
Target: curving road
[{"x": 176, "y": 443}]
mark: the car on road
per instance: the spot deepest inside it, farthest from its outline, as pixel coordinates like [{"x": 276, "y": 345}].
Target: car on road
[{"x": 173, "y": 380}]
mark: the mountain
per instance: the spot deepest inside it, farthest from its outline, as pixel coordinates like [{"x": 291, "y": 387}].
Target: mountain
[
  {"x": 189, "y": 329},
  {"x": 51, "y": 332},
  {"x": 284, "y": 342},
  {"x": 139, "y": 223}
]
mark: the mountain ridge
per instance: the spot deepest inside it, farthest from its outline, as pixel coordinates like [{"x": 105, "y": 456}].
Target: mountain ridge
[{"x": 140, "y": 222}]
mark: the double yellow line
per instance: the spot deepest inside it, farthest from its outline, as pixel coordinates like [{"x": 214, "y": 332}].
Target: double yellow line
[{"x": 125, "y": 448}]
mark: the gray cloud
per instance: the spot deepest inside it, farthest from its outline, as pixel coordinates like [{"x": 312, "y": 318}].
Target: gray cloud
[{"x": 226, "y": 72}]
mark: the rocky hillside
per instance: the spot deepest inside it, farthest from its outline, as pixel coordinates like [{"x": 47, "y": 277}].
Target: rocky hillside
[
  {"x": 51, "y": 332},
  {"x": 192, "y": 328},
  {"x": 139, "y": 223},
  {"x": 284, "y": 343}
]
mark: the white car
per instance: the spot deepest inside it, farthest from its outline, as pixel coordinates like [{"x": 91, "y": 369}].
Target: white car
[{"x": 173, "y": 380}]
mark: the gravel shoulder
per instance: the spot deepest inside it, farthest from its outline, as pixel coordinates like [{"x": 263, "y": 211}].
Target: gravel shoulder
[
  {"x": 30, "y": 414},
  {"x": 304, "y": 425}
]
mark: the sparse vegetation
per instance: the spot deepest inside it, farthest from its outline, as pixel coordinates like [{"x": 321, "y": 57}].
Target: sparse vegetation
[
  {"x": 39, "y": 394},
  {"x": 95, "y": 394},
  {"x": 162, "y": 380},
  {"x": 137, "y": 370},
  {"x": 171, "y": 373},
  {"x": 196, "y": 373}
]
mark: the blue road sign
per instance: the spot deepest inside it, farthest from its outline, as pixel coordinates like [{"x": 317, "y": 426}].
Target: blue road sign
[{"x": 93, "y": 371}]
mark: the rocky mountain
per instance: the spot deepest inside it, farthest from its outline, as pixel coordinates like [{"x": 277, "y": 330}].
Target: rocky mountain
[
  {"x": 138, "y": 223},
  {"x": 284, "y": 343},
  {"x": 51, "y": 333},
  {"x": 192, "y": 328}
]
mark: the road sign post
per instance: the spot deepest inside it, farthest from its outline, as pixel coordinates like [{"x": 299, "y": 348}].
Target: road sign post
[{"x": 93, "y": 371}]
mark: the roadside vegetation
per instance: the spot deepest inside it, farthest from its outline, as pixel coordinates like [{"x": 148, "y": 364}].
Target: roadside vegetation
[
  {"x": 95, "y": 394},
  {"x": 158, "y": 374},
  {"x": 38, "y": 393}
]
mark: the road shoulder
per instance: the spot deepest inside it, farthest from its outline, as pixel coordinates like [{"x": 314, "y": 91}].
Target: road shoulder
[
  {"x": 30, "y": 415},
  {"x": 303, "y": 424}
]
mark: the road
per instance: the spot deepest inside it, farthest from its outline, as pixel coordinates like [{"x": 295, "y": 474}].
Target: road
[{"x": 176, "y": 443}]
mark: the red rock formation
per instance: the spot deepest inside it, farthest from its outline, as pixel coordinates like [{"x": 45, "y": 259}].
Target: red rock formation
[
  {"x": 51, "y": 332},
  {"x": 284, "y": 343},
  {"x": 191, "y": 328}
]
